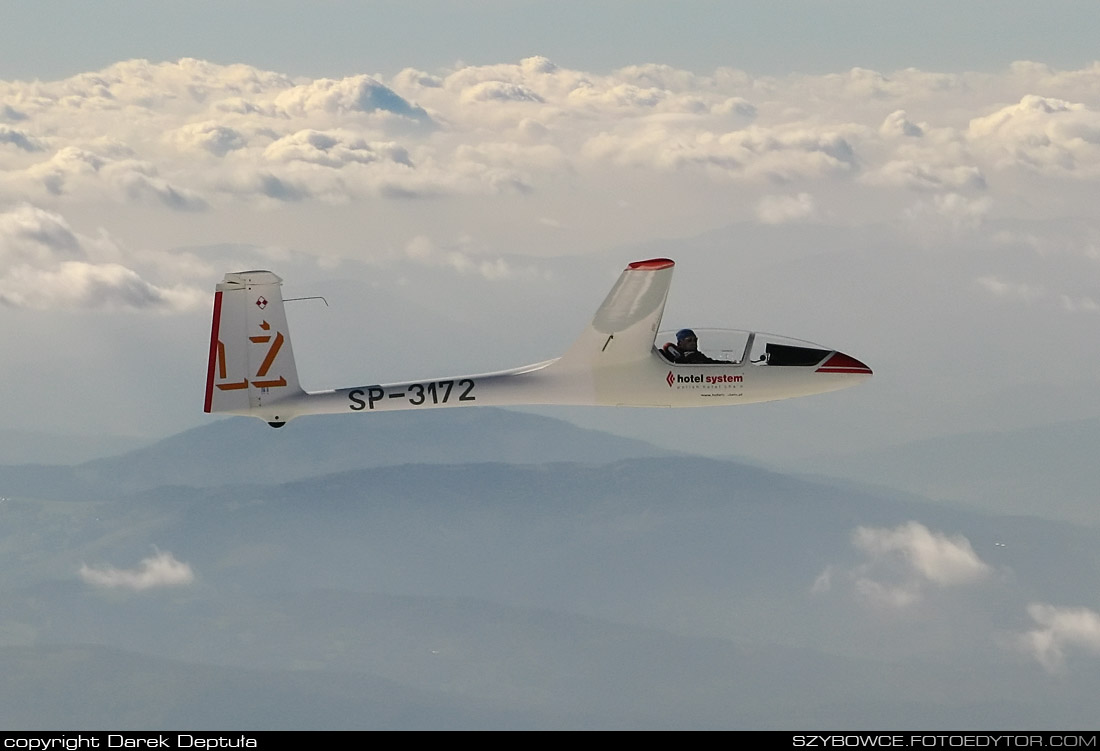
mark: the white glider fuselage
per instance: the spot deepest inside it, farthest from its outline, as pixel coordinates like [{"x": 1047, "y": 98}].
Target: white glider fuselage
[{"x": 615, "y": 362}]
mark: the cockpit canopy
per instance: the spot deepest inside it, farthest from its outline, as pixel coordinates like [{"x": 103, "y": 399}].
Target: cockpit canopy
[{"x": 732, "y": 346}]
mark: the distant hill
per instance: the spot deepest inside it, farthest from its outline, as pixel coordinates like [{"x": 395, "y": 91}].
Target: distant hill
[
  {"x": 149, "y": 693},
  {"x": 647, "y": 522},
  {"x": 243, "y": 449},
  {"x": 29, "y": 447},
  {"x": 380, "y": 662}
]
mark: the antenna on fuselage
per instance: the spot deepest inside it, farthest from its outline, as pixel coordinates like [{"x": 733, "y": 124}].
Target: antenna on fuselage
[{"x": 314, "y": 297}]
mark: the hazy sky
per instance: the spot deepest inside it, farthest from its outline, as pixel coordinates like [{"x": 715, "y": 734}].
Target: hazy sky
[
  {"x": 913, "y": 183},
  {"x": 54, "y": 39}
]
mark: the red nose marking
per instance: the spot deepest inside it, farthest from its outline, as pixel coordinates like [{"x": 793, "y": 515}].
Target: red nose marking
[{"x": 842, "y": 363}]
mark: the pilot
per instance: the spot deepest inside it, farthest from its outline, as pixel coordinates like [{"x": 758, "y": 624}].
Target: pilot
[{"x": 687, "y": 349}]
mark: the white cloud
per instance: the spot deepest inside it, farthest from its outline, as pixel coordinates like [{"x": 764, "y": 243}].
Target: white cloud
[
  {"x": 617, "y": 97},
  {"x": 410, "y": 78},
  {"x": 1041, "y": 134},
  {"x": 1079, "y": 304},
  {"x": 424, "y": 251},
  {"x": 355, "y": 94},
  {"x": 31, "y": 236},
  {"x": 783, "y": 209},
  {"x": 44, "y": 264},
  {"x": 1032, "y": 294},
  {"x": 917, "y": 175},
  {"x": 334, "y": 149},
  {"x": 904, "y": 564},
  {"x": 1058, "y": 632},
  {"x": 76, "y": 284},
  {"x": 824, "y": 581},
  {"x": 10, "y": 114},
  {"x": 962, "y": 209},
  {"x": 263, "y": 184},
  {"x": 868, "y": 84},
  {"x": 897, "y": 123},
  {"x": 86, "y": 175},
  {"x": 209, "y": 136},
  {"x": 540, "y": 156},
  {"x": 500, "y": 91},
  {"x": 931, "y": 556},
  {"x": 139, "y": 185},
  {"x": 67, "y": 167},
  {"x": 664, "y": 77},
  {"x": 735, "y": 106},
  {"x": 954, "y": 212},
  {"x": 18, "y": 139},
  {"x": 1022, "y": 291},
  {"x": 160, "y": 570},
  {"x": 780, "y": 154}
]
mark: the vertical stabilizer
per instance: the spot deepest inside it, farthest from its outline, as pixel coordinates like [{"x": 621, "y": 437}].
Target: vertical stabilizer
[
  {"x": 623, "y": 329},
  {"x": 251, "y": 367}
]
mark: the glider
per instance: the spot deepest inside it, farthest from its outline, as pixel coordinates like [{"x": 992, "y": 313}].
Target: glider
[{"x": 619, "y": 360}]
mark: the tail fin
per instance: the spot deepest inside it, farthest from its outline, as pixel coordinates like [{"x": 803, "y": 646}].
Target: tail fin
[
  {"x": 625, "y": 325},
  {"x": 251, "y": 368}
]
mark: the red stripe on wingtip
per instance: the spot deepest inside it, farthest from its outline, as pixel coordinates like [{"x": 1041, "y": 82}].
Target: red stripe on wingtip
[
  {"x": 213, "y": 361},
  {"x": 842, "y": 363},
  {"x": 652, "y": 264}
]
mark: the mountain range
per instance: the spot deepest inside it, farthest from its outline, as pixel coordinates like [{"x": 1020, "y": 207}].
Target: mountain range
[{"x": 487, "y": 569}]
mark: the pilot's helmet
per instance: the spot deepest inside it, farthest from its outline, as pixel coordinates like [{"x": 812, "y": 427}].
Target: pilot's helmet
[{"x": 683, "y": 334}]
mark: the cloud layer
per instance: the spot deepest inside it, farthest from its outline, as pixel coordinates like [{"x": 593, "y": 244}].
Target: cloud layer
[
  {"x": 193, "y": 134},
  {"x": 643, "y": 151}
]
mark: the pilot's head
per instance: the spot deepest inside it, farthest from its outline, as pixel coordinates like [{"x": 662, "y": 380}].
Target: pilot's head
[{"x": 686, "y": 339}]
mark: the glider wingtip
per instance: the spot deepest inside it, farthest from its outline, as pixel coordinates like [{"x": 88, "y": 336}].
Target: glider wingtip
[{"x": 653, "y": 264}]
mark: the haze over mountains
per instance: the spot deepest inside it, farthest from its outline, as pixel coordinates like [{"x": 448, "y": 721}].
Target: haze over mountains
[
  {"x": 1048, "y": 470},
  {"x": 494, "y": 569}
]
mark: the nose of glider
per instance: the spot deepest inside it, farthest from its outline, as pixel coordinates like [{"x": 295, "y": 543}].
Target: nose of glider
[{"x": 838, "y": 362}]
